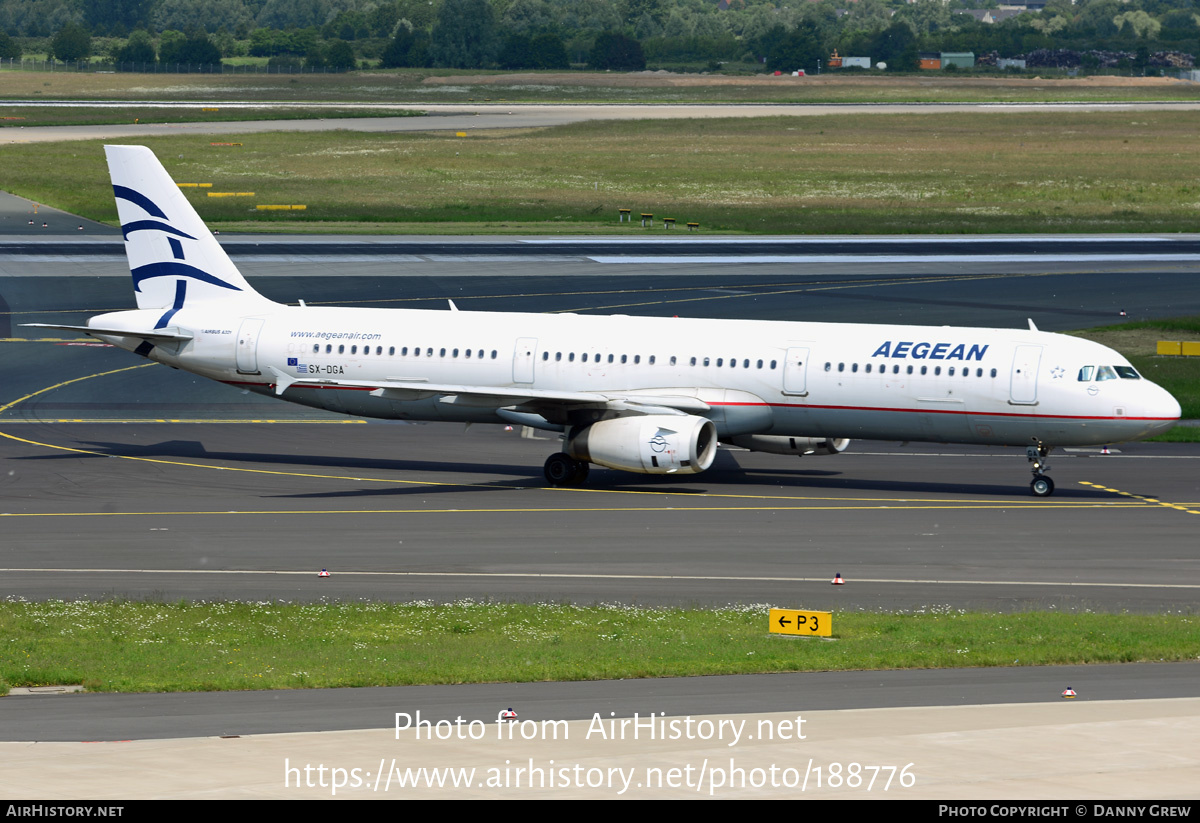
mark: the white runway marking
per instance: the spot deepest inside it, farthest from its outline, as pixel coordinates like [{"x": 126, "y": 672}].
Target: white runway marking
[
  {"x": 564, "y": 576},
  {"x": 895, "y": 258}
]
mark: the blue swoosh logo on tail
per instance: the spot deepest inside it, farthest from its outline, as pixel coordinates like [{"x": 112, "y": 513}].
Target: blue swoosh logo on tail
[
  {"x": 176, "y": 270},
  {"x": 138, "y": 199}
]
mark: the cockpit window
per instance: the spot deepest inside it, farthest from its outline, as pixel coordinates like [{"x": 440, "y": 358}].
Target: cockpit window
[
  {"x": 1127, "y": 373},
  {"x": 1105, "y": 373},
  {"x": 1085, "y": 374}
]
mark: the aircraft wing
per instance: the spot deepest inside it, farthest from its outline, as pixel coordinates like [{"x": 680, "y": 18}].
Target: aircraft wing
[
  {"x": 510, "y": 396},
  {"x": 152, "y": 334}
]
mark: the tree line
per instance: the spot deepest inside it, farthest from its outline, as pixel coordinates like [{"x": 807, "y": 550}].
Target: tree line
[{"x": 554, "y": 34}]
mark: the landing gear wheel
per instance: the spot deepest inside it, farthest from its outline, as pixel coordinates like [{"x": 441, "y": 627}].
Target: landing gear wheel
[
  {"x": 1042, "y": 486},
  {"x": 561, "y": 470}
]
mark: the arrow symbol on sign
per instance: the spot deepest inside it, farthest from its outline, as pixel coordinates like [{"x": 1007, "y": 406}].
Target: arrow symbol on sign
[{"x": 783, "y": 622}]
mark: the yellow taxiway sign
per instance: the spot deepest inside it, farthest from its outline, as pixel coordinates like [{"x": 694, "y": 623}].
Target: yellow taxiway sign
[{"x": 792, "y": 621}]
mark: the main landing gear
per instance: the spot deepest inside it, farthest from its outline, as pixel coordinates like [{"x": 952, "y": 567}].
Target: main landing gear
[
  {"x": 563, "y": 470},
  {"x": 1042, "y": 485}
]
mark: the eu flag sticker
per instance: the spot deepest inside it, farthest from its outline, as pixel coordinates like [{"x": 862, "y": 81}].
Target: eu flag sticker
[{"x": 293, "y": 361}]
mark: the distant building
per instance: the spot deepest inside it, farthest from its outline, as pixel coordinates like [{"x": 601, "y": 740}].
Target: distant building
[
  {"x": 933, "y": 61},
  {"x": 990, "y": 16}
]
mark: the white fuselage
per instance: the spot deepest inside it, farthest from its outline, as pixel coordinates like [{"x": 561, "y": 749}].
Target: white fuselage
[{"x": 946, "y": 384}]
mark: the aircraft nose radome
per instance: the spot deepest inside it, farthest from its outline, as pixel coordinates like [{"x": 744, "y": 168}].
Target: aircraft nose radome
[
  {"x": 1162, "y": 405},
  {"x": 1169, "y": 406}
]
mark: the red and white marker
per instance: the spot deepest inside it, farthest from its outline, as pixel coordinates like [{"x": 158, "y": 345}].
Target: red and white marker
[
  {"x": 837, "y": 580},
  {"x": 506, "y": 714},
  {"x": 1068, "y": 692},
  {"x": 1104, "y": 450},
  {"x": 324, "y": 573}
]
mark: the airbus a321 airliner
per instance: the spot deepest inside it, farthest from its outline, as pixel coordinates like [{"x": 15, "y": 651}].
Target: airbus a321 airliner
[{"x": 640, "y": 394}]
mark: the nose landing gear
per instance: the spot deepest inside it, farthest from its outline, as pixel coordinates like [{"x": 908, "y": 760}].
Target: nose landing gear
[{"x": 1042, "y": 485}]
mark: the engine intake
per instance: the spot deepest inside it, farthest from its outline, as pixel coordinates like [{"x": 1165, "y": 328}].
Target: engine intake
[{"x": 647, "y": 444}]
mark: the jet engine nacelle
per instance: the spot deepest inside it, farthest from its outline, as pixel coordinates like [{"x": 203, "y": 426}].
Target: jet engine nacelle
[
  {"x": 790, "y": 445},
  {"x": 647, "y": 444}
]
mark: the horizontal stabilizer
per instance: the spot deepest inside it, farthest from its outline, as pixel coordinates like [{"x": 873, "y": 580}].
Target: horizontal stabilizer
[{"x": 156, "y": 334}]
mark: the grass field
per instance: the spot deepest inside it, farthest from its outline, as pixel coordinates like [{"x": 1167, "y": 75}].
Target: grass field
[
  {"x": 862, "y": 174},
  {"x": 427, "y": 85},
  {"x": 147, "y": 647}
]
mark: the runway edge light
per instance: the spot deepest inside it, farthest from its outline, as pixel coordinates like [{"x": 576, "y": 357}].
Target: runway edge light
[
  {"x": 837, "y": 580},
  {"x": 1068, "y": 692}
]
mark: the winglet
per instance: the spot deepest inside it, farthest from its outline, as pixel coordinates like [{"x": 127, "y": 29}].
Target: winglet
[{"x": 1031, "y": 326}]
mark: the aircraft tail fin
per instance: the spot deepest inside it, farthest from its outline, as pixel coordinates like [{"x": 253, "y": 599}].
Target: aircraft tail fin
[{"x": 174, "y": 258}]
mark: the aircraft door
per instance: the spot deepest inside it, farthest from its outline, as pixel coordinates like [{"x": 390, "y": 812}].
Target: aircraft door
[
  {"x": 523, "y": 359},
  {"x": 247, "y": 345},
  {"x": 795, "y": 372},
  {"x": 1023, "y": 385}
]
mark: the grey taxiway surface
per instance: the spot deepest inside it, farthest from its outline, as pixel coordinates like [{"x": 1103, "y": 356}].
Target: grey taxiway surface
[
  {"x": 458, "y": 117},
  {"x": 100, "y": 500}
]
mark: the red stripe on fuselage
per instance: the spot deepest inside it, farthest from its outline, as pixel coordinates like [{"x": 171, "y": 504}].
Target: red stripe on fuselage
[{"x": 941, "y": 411}]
